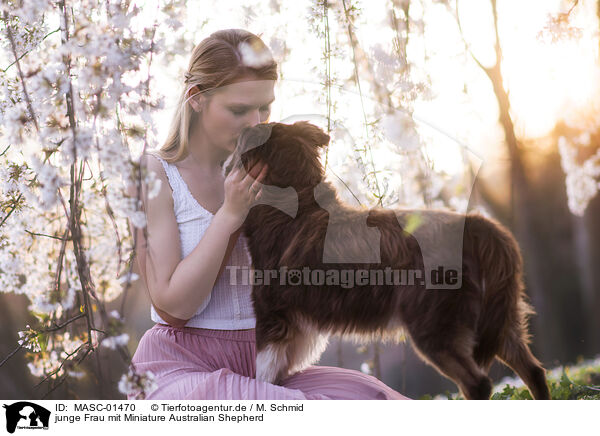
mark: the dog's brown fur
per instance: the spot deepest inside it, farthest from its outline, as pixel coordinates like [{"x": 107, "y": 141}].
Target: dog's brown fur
[{"x": 458, "y": 332}]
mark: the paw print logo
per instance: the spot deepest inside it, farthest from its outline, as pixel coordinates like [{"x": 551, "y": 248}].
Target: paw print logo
[{"x": 293, "y": 277}]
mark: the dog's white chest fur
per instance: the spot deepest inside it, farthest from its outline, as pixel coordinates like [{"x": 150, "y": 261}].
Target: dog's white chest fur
[{"x": 278, "y": 361}]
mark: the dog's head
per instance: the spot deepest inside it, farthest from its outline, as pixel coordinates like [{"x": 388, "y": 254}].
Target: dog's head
[{"x": 291, "y": 152}]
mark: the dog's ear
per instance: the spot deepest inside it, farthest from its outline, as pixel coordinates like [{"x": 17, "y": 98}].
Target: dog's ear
[{"x": 314, "y": 135}]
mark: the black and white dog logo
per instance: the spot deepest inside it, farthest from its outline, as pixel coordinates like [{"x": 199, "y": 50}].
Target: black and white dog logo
[{"x": 26, "y": 415}]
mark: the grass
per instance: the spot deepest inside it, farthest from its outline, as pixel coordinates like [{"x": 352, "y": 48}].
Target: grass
[{"x": 577, "y": 382}]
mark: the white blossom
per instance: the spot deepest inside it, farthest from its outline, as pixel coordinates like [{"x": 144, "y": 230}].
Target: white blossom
[
  {"x": 42, "y": 366},
  {"x": 153, "y": 183},
  {"x": 94, "y": 335},
  {"x": 400, "y": 130},
  {"x": 29, "y": 339},
  {"x": 68, "y": 345},
  {"x": 50, "y": 180},
  {"x": 137, "y": 385},
  {"x": 386, "y": 64},
  {"x": 138, "y": 219},
  {"x": 581, "y": 179},
  {"x": 275, "y": 6},
  {"x": 254, "y": 55},
  {"x": 113, "y": 342},
  {"x": 128, "y": 278},
  {"x": 365, "y": 368},
  {"x": 278, "y": 47}
]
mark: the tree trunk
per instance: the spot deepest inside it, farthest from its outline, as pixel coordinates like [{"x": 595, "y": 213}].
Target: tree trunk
[{"x": 587, "y": 241}]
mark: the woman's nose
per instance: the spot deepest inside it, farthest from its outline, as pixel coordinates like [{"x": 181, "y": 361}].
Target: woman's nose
[{"x": 254, "y": 118}]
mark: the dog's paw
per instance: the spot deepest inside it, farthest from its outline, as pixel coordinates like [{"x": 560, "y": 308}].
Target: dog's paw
[{"x": 269, "y": 364}]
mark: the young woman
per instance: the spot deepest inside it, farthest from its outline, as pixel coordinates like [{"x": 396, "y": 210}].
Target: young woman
[{"x": 203, "y": 344}]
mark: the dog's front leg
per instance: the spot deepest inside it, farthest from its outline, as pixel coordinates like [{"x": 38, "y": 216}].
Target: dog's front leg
[
  {"x": 271, "y": 363},
  {"x": 276, "y": 361}
]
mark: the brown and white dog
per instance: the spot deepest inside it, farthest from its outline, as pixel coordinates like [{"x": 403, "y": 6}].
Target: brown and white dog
[{"x": 459, "y": 332}]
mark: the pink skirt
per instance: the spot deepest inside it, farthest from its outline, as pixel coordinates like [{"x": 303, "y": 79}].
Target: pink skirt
[{"x": 204, "y": 364}]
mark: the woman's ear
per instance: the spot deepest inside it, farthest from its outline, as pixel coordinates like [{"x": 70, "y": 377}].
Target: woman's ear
[{"x": 196, "y": 99}]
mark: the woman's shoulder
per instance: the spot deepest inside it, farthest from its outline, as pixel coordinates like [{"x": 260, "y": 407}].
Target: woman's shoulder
[{"x": 152, "y": 159}]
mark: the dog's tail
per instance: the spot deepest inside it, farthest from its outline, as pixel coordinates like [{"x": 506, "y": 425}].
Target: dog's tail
[{"x": 500, "y": 272}]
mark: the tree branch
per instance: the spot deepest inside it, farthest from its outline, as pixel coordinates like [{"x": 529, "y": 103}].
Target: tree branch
[
  {"x": 13, "y": 46},
  {"x": 29, "y": 51}
]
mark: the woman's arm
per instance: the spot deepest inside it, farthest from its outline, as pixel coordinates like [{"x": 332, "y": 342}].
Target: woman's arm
[{"x": 178, "y": 286}]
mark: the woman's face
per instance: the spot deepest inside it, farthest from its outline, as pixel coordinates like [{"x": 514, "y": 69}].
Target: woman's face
[{"x": 232, "y": 108}]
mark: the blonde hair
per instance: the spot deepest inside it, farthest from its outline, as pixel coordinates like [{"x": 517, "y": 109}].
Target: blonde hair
[{"x": 215, "y": 62}]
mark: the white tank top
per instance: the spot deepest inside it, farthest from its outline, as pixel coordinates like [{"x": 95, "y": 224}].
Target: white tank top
[{"x": 228, "y": 306}]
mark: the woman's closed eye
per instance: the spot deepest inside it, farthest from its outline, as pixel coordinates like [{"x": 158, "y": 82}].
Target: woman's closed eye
[{"x": 242, "y": 112}]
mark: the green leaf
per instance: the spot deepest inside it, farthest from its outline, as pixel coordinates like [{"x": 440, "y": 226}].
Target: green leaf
[
  {"x": 43, "y": 341},
  {"x": 412, "y": 223}
]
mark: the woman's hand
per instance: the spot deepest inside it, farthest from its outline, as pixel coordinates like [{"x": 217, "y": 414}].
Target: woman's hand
[{"x": 242, "y": 191}]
